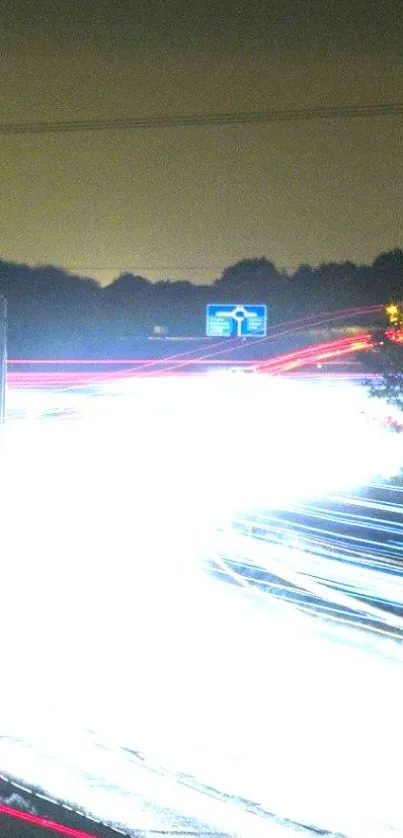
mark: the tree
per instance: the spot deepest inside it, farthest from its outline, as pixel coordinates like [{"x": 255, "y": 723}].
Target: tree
[
  {"x": 254, "y": 278},
  {"x": 386, "y": 360},
  {"x": 390, "y": 262},
  {"x": 387, "y": 274}
]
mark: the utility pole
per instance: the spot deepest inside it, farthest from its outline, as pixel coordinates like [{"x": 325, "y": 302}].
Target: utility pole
[{"x": 3, "y": 358}]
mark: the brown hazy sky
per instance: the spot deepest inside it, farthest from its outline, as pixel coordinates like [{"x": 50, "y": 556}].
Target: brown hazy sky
[{"x": 199, "y": 198}]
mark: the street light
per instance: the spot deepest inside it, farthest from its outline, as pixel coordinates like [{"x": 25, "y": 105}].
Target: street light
[{"x": 394, "y": 312}]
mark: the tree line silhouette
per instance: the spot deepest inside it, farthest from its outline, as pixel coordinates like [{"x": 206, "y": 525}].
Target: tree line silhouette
[{"x": 55, "y": 313}]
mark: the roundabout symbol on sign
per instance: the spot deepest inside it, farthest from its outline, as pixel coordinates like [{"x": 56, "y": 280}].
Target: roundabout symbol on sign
[{"x": 239, "y": 314}]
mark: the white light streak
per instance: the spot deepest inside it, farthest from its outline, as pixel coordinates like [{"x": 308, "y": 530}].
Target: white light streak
[{"x": 116, "y": 625}]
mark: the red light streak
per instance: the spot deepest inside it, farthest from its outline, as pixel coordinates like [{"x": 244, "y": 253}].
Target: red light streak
[
  {"x": 314, "y": 354},
  {"x": 44, "y": 822},
  {"x": 184, "y": 361},
  {"x": 395, "y": 335},
  {"x": 277, "y": 364}
]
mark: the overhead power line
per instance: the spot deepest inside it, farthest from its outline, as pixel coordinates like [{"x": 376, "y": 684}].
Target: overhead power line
[
  {"x": 160, "y": 268},
  {"x": 205, "y": 119},
  {"x": 143, "y": 267}
]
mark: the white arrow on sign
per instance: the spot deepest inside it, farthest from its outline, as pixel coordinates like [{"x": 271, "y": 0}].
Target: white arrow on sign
[{"x": 239, "y": 313}]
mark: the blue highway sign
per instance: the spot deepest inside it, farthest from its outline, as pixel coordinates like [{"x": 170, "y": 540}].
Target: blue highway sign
[{"x": 236, "y": 321}]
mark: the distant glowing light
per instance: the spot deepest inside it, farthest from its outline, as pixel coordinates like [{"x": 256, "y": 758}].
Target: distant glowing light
[{"x": 394, "y": 312}]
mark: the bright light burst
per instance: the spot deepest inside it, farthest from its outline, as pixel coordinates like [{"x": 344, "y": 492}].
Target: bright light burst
[
  {"x": 109, "y": 523},
  {"x": 224, "y": 444}
]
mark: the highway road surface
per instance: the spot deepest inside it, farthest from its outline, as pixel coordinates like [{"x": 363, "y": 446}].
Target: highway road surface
[{"x": 152, "y": 676}]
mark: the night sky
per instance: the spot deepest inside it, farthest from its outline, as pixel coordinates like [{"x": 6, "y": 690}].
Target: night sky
[{"x": 186, "y": 202}]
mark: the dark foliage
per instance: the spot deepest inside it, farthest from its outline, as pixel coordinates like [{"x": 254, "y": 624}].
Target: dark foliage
[
  {"x": 53, "y": 313},
  {"x": 387, "y": 362}
]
